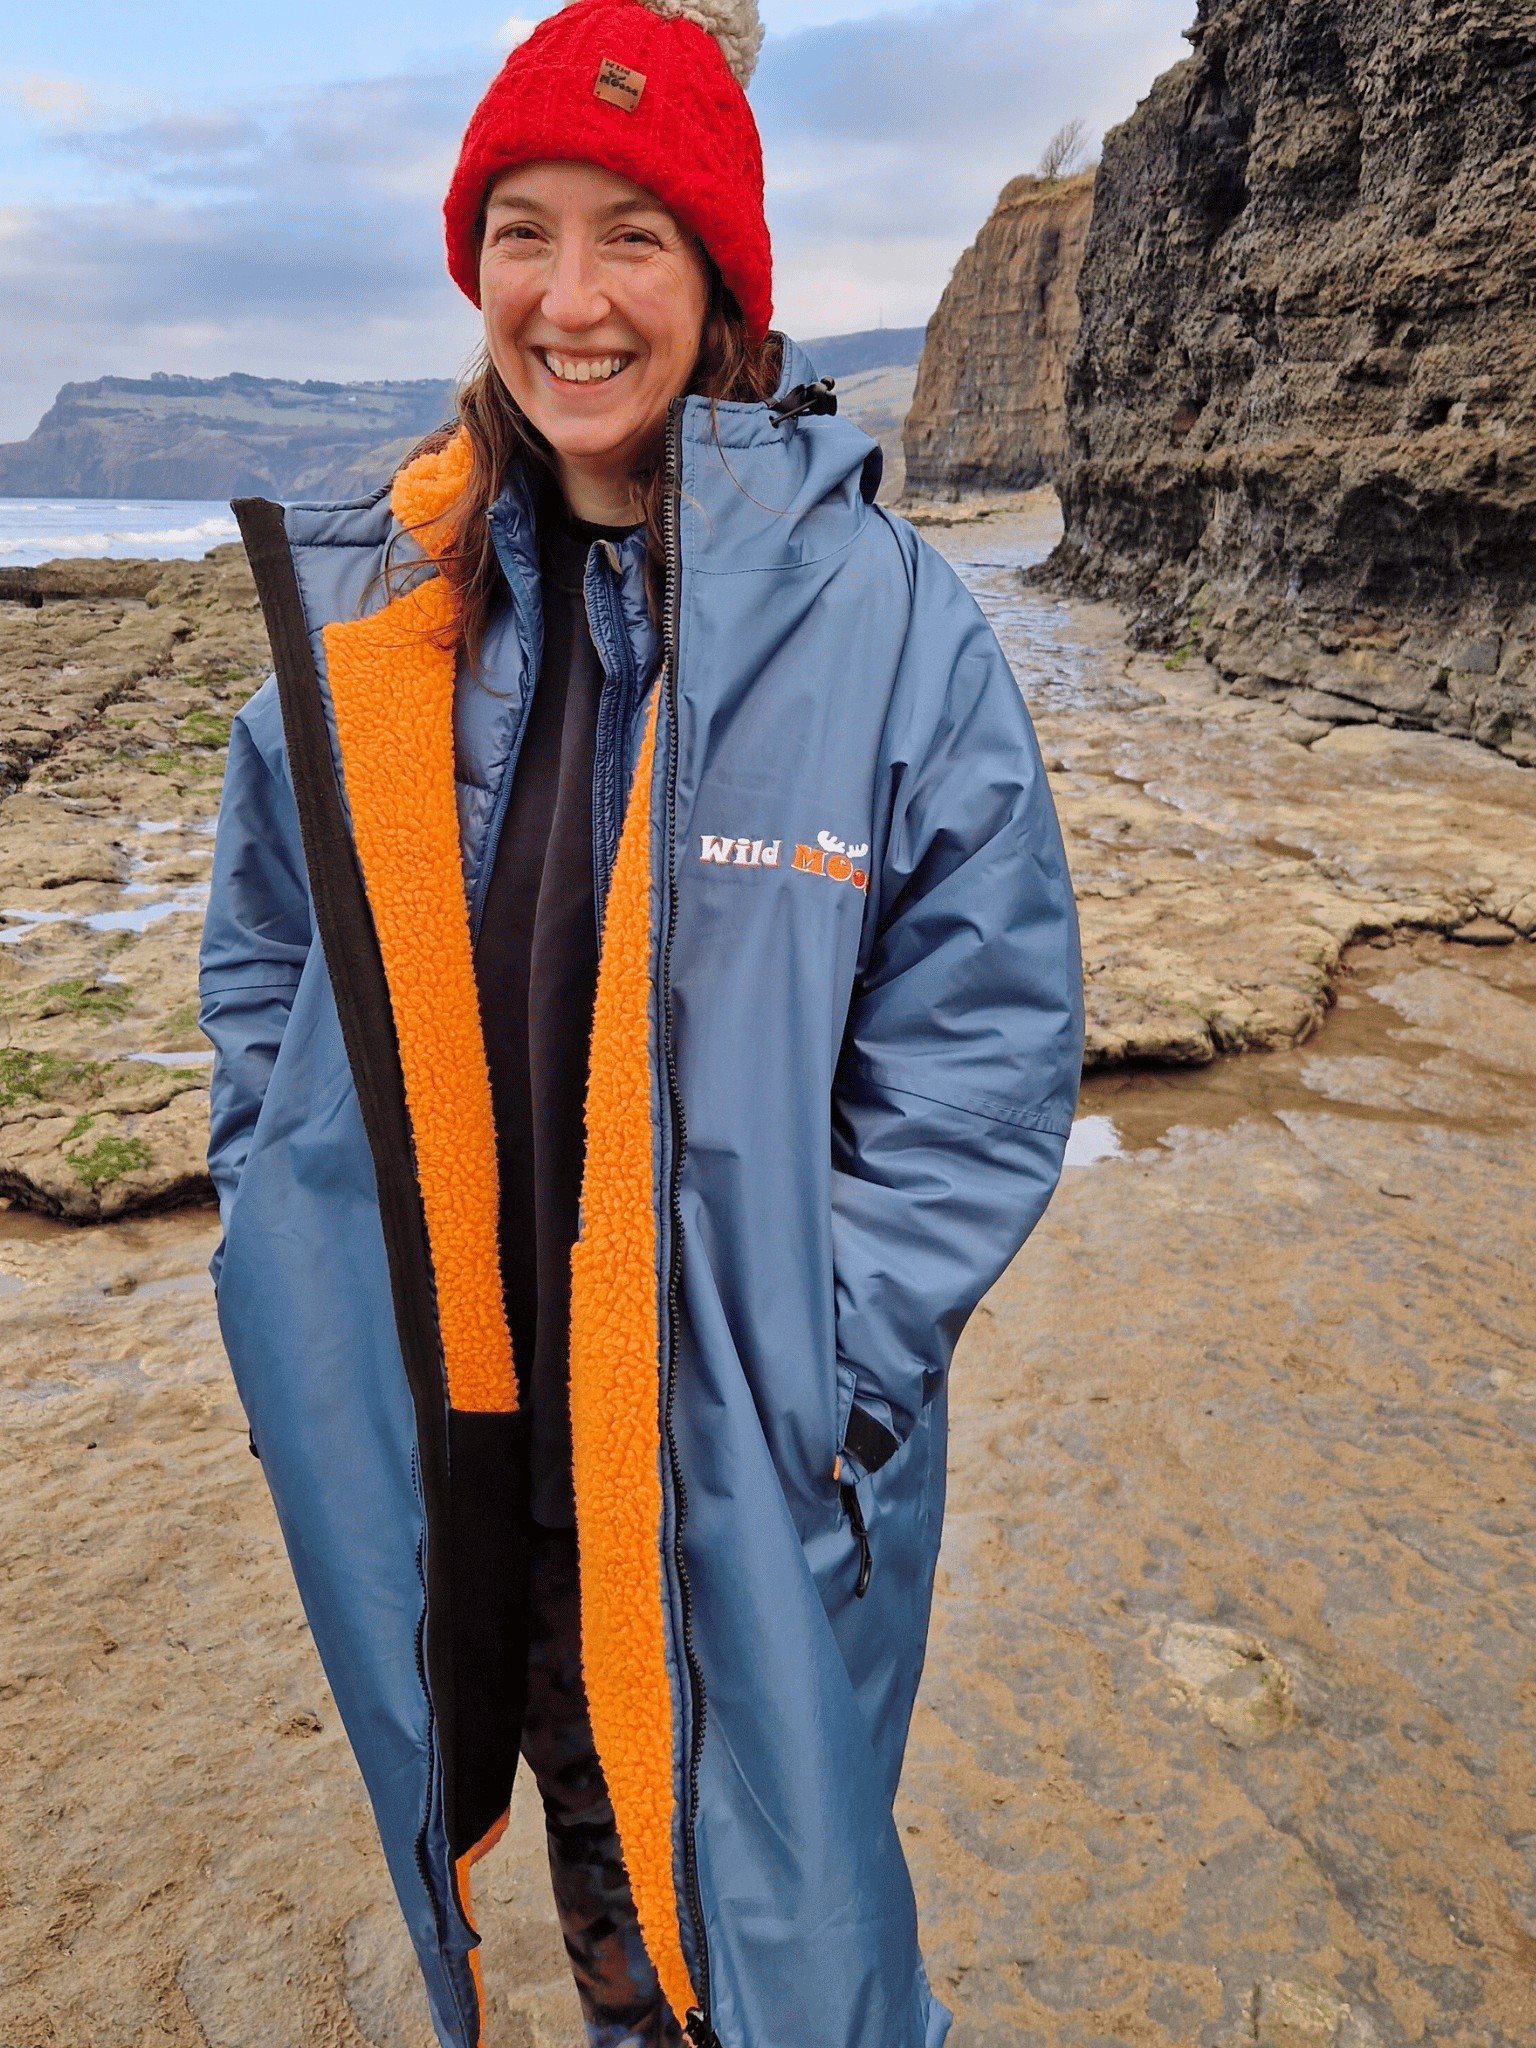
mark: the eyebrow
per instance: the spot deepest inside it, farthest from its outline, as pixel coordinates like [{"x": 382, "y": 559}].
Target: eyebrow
[{"x": 512, "y": 202}]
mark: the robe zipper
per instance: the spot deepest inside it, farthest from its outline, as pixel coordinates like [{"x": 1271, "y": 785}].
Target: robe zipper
[
  {"x": 423, "y": 1866},
  {"x": 699, "y": 2030}
]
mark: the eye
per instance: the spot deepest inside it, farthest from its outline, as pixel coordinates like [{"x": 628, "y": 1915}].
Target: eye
[{"x": 518, "y": 231}]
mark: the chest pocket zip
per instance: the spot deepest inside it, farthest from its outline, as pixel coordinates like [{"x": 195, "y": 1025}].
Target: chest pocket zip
[{"x": 615, "y": 711}]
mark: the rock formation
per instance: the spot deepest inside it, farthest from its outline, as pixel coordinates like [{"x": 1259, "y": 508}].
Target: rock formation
[
  {"x": 220, "y": 437},
  {"x": 1301, "y": 429},
  {"x": 988, "y": 412}
]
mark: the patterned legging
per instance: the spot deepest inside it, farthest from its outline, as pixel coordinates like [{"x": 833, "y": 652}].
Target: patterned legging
[{"x": 621, "y": 2000}]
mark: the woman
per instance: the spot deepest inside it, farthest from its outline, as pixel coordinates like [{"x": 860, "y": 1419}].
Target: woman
[{"x": 657, "y": 1248}]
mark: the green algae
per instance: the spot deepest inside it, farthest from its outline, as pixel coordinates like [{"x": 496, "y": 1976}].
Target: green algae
[
  {"x": 45, "y": 1076},
  {"x": 108, "y": 1159}
]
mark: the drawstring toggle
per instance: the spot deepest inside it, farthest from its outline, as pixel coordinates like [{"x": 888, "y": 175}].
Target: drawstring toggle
[{"x": 804, "y": 399}]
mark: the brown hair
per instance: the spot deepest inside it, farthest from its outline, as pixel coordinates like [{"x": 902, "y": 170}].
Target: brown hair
[{"x": 726, "y": 367}]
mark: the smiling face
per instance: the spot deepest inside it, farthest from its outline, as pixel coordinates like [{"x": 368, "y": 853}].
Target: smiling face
[{"x": 594, "y": 298}]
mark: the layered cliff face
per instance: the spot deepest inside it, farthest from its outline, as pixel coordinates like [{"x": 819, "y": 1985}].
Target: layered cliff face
[
  {"x": 1302, "y": 434},
  {"x": 988, "y": 412},
  {"x": 220, "y": 437}
]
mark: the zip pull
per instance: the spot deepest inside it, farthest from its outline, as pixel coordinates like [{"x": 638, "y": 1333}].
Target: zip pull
[
  {"x": 855, "y": 1514},
  {"x": 805, "y": 398},
  {"x": 699, "y": 2031}
]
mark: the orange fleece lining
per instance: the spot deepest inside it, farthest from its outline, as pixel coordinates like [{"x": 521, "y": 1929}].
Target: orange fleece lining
[
  {"x": 425, "y": 489},
  {"x": 392, "y": 685},
  {"x": 461, "y": 1870},
  {"x": 615, "y": 1421},
  {"x": 391, "y": 680}
]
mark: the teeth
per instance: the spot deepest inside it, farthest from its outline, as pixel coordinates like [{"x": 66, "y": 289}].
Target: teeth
[{"x": 585, "y": 372}]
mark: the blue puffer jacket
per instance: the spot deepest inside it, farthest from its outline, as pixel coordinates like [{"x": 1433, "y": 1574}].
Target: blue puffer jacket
[{"x": 838, "y": 1034}]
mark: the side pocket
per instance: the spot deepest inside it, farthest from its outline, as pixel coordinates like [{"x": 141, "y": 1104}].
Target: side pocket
[
  {"x": 865, "y": 1443},
  {"x": 847, "y": 1387},
  {"x": 865, "y": 1440}
]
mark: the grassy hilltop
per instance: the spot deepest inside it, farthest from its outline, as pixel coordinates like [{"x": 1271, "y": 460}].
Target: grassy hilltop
[{"x": 220, "y": 437}]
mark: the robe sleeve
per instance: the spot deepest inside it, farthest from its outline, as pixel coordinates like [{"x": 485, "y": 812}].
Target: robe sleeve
[
  {"x": 256, "y": 936},
  {"x": 959, "y": 1068}
]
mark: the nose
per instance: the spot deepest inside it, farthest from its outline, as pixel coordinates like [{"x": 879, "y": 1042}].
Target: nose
[{"x": 574, "y": 299}]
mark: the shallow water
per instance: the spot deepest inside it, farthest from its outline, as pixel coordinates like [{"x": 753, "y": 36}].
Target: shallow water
[
  {"x": 1368, "y": 1061},
  {"x": 50, "y": 529},
  {"x": 24, "y": 922},
  {"x": 169, "y": 896},
  {"x": 1058, "y": 666}
]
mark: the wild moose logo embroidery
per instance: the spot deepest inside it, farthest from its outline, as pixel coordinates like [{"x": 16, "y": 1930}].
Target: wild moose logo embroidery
[
  {"x": 832, "y": 858},
  {"x": 739, "y": 853}
]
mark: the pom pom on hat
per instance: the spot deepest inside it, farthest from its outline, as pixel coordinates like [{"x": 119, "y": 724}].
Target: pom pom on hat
[
  {"x": 734, "y": 24},
  {"x": 672, "y": 117}
]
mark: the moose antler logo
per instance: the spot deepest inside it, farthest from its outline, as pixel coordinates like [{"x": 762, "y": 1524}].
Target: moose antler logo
[{"x": 834, "y": 858}]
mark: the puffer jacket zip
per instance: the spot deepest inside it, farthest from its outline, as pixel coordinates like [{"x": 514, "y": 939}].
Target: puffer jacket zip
[
  {"x": 700, "y": 2031},
  {"x": 530, "y": 623},
  {"x": 616, "y": 709}
]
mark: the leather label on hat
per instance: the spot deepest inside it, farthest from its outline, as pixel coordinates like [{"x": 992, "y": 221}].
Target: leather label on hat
[{"x": 618, "y": 85}]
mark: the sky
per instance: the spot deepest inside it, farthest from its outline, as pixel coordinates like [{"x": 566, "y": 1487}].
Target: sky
[{"x": 197, "y": 188}]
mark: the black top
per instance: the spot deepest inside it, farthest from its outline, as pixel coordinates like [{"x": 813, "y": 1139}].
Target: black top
[{"x": 536, "y": 970}]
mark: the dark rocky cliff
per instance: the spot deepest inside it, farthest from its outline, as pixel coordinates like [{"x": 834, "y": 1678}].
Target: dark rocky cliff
[
  {"x": 1302, "y": 436},
  {"x": 220, "y": 437},
  {"x": 988, "y": 412}
]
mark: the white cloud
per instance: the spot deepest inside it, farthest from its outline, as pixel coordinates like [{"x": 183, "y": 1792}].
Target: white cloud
[
  {"x": 888, "y": 139},
  {"x": 298, "y": 238},
  {"x": 49, "y": 95}
]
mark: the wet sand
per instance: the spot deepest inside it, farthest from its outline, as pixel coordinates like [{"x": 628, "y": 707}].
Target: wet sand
[
  {"x": 1226, "y": 1730},
  {"x": 1230, "y": 1688}
]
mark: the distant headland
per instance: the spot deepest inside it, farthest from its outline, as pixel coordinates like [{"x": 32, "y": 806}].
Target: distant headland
[{"x": 223, "y": 437}]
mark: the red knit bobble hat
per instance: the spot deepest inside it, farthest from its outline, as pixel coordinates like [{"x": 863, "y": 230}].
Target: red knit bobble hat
[{"x": 649, "y": 89}]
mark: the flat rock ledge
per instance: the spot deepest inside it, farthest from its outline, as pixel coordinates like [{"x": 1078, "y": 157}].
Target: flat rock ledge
[
  {"x": 92, "y": 1140},
  {"x": 118, "y": 682},
  {"x": 1224, "y": 856}
]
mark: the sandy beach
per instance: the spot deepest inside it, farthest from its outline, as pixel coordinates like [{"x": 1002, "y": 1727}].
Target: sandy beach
[{"x": 1226, "y": 1731}]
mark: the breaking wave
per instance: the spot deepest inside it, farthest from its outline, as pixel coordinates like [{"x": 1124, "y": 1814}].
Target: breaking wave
[{"x": 44, "y": 529}]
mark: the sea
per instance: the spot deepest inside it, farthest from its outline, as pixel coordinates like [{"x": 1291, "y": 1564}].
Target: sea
[{"x": 45, "y": 529}]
